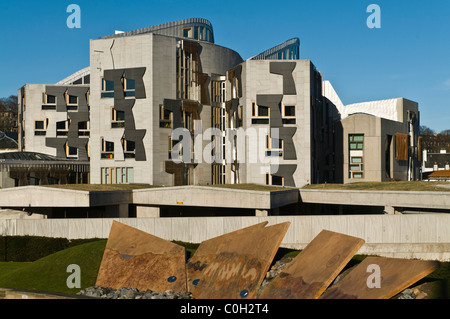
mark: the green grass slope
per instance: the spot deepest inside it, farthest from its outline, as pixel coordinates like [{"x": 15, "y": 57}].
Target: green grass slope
[{"x": 50, "y": 273}]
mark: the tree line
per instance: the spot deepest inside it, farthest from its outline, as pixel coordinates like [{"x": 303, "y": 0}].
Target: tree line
[{"x": 9, "y": 104}]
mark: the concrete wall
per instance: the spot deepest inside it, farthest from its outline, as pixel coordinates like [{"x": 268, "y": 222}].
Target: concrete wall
[
  {"x": 403, "y": 236},
  {"x": 258, "y": 80}
]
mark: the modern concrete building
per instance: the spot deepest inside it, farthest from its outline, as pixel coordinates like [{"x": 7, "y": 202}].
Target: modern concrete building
[
  {"x": 165, "y": 105},
  {"x": 377, "y": 140}
]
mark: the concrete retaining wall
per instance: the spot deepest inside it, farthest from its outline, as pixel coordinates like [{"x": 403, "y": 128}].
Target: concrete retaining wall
[{"x": 423, "y": 236}]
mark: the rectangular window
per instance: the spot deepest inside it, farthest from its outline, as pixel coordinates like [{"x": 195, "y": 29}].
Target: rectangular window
[
  {"x": 129, "y": 87},
  {"x": 288, "y": 114},
  {"x": 48, "y": 99},
  {"x": 129, "y": 149},
  {"x": 83, "y": 128},
  {"x": 62, "y": 128},
  {"x": 356, "y": 156},
  {"x": 187, "y": 32},
  {"x": 71, "y": 151},
  {"x": 165, "y": 117},
  {"x": 39, "y": 125},
  {"x": 260, "y": 114},
  {"x": 72, "y": 100},
  {"x": 117, "y": 118},
  {"x": 196, "y": 33},
  {"x": 40, "y": 128},
  {"x": 107, "y": 150},
  {"x": 107, "y": 88},
  {"x": 274, "y": 180},
  {"x": 274, "y": 147}
]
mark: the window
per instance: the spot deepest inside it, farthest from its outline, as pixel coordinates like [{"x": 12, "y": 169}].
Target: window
[
  {"x": 274, "y": 146},
  {"x": 129, "y": 148},
  {"x": 218, "y": 91},
  {"x": 171, "y": 144},
  {"x": 129, "y": 87},
  {"x": 187, "y": 69},
  {"x": 356, "y": 142},
  {"x": 39, "y": 125},
  {"x": 165, "y": 117},
  {"x": 62, "y": 128},
  {"x": 48, "y": 99},
  {"x": 107, "y": 151},
  {"x": 72, "y": 100},
  {"x": 117, "y": 118},
  {"x": 288, "y": 114},
  {"x": 83, "y": 128},
  {"x": 40, "y": 128},
  {"x": 117, "y": 175},
  {"x": 107, "y": 88},
  {"x": 71, "y": 151},
  {"x": 274, "y": 180},
  {"x": 356, "y": 158},
  {"x": 187, "y": 32},
  {"x": 260, "y": 114},
  {"x": 196, "y": 33}
]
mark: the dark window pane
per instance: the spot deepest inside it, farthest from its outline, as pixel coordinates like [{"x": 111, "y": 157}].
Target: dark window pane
[
  {"x": 289, "y": 110},
  {"x": 109, "y": 85},
  {"x": 263, "y": 111},
  {"x": 109, "y": 146},
  {"x": 260, "y": 121},
  {"x": 277, "y": 180},
  {"x": 49, "y": 107},
  {"x": 130, "y": 146},
  {"x": 39, "y": 125},
  {"x": 131, "y": 84},
  {"x": 82, "y": 125},
  {"x": 289, "y": 121},
  {"x": 120, "y": 116},
  {"x": 72, "y": 151},
  {"x": 61, "y": 125},
  {"x": 51, "y": 99},
  {"x": 73, "y": 99}
]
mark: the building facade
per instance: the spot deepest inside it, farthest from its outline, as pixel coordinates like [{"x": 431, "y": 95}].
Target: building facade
[{"x": 165, "y": 105}]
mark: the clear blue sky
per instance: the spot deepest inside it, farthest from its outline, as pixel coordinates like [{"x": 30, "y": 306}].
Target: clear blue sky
[{"x": 409, "y": 56}]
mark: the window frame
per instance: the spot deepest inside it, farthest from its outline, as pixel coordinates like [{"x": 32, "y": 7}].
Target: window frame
[
  {"x": 269, "y": 180},
  {"x": 256, "y": 117},
  {"x": 356, "y": 167},
  {"x": 45, "y": 99}
]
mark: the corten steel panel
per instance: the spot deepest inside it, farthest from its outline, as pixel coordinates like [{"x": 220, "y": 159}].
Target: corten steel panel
[
  {"x": 312, "y": 271},
  {"x": 134, "y": 258},
  {"x": 395, "y": 275},
  {"x": 401, "y": 147},
  {"x": 233, "y": 266}
]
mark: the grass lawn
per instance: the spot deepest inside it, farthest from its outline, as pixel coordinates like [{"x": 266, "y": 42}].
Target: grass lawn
[
  {"x": 387, "y": 186},
  {"x": 49, "y": 273}
]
